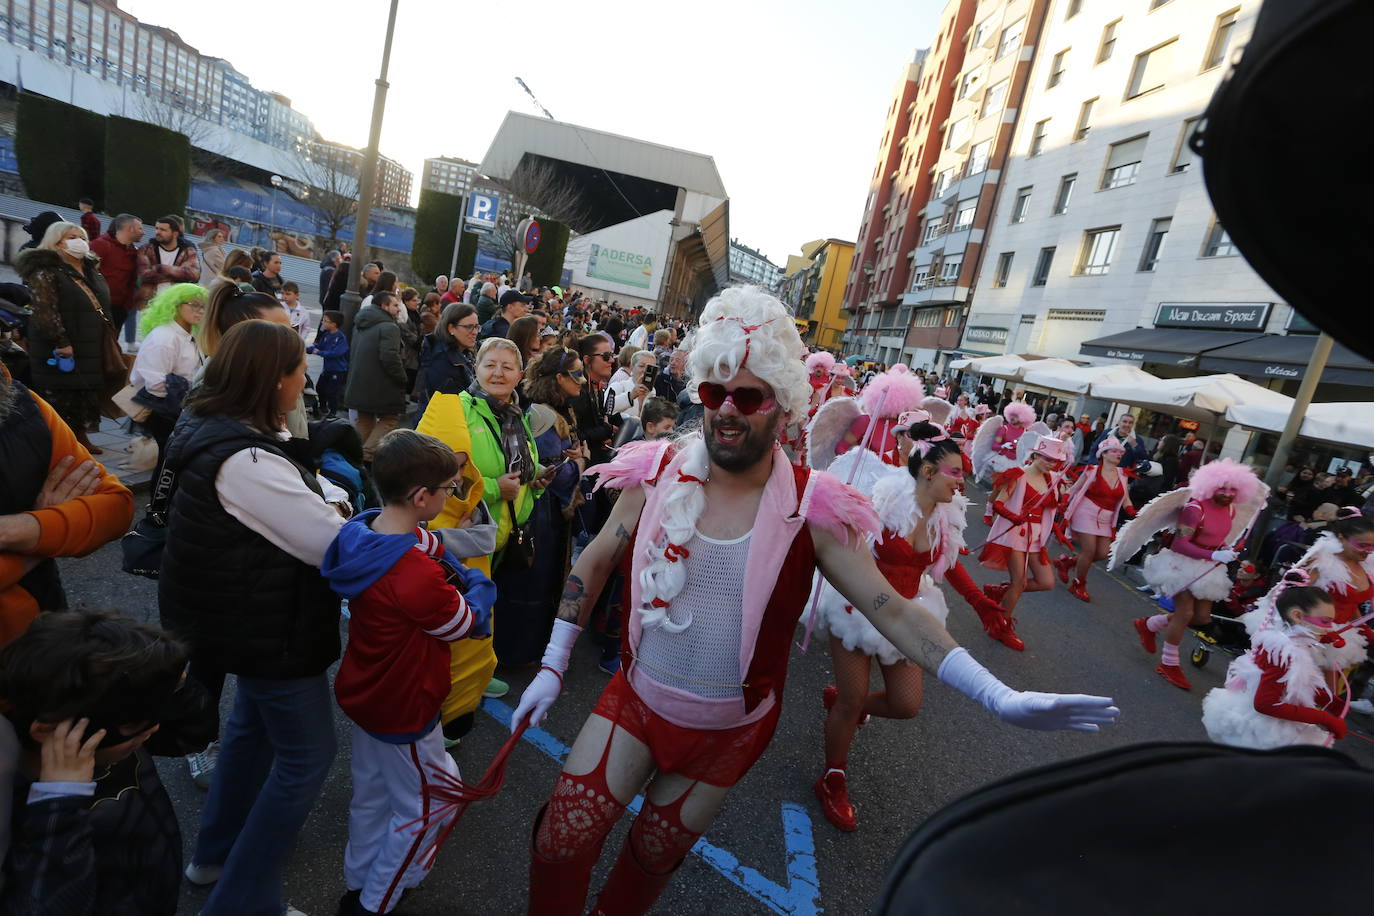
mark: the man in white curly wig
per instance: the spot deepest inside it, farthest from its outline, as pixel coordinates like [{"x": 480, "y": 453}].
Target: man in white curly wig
[{"x": 722, "y": 535}]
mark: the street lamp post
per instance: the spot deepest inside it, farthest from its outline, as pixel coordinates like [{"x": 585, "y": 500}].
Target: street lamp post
[
  {"x": 368, "y": 181},
  {"x": 272, "y": 227}
]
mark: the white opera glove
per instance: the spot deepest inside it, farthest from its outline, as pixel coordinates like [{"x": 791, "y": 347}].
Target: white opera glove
[
  {"x": 1224, "y": 555},
  {"x": 1028, "y": 709},
  {"x": 548, "y": 683}
]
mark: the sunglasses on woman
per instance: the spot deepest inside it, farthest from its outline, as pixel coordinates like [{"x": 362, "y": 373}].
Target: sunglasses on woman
[{"x": 746, "y": 400}]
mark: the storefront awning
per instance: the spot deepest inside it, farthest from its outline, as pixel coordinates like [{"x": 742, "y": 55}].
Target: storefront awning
[
  {"x": 1286, "y": 356},
  {"x": 1174, "y": 346}
]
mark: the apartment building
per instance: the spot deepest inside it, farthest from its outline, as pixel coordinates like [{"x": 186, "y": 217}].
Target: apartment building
[
  {"x": 749, "y": 265},
  {"x": 1103, "y": 243},
  {"x": 899, "y": 189},
  {"x": 448, "y": 175},
  {"x": 1000, "y": 48}
]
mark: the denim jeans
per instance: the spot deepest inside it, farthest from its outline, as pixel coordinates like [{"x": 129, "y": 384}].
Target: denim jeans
[
  {"x": 274, "y": 756},
  {"x": 131, "y": 326}
]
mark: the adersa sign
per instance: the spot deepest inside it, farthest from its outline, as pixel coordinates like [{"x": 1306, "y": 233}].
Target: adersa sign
[{"x": 1224, "y": 316}]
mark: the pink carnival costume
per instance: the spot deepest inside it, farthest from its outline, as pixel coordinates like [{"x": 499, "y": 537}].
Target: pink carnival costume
[
  {"x": 1091, "y": 511},
  {"x": 1209, "y": 519},
  {"x": 883, "y": 400}
]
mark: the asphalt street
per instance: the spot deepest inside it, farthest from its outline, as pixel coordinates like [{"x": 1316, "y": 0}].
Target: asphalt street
[{"x": 757, "y": 858}]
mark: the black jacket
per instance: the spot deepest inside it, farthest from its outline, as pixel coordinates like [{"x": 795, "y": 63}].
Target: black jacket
[
  {"x": 498, "y": 326},
  {"x": 57, "y": 289},
  {"x": 593, "y": 425},
  {"x": 376, "y": 364},
  {"x": 242, "y": 603}
]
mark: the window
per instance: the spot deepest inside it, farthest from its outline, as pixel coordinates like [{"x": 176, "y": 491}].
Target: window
[
  {"x": 928, "y": 318},
  {"x": 1061, "y": 200},
  {"x": 1098, "y": 247},
  {"x": 1218, "y": 243},
  {"x": 951, "y": 270},
  {"x": 1183, "y": 156},
  {"x": 1075, "y": 7},
  {"x": 1123, "y": 163},
  {"x": 958, "y": 133},
  {"x": 1011, "y": 37},
  {"x": 999, "y": 276},
  {"x": 1057, "y": 69},
  {"x": 1042, "y": 128},
  {"x": 1042, "y": 267},
  {"x": 951, "y": 317},
  {"x": 1151, "y": 69},
  {"x": 971, "y": 81},
  {"x": 1085, "y": 117},
  {"x": 1154, "y": 243},
  {"x": 995, "y": 98},
  {"x": 1104, "y": 50},
  {"x": 963, "y": 217},
  {"x": 1221, "y": 39},
  {"x": 978, "y": 157},
  {"x": 918, "y": 281},
  {"x": 933, "y": 231},
  {"x": 942, "y": 182},
  {"x": 980, "y": 31},
  {"x": 1022, "y": 204}
]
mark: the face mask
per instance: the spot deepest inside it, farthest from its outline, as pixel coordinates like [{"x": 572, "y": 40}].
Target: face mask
[{"x": 77, "y": 248}]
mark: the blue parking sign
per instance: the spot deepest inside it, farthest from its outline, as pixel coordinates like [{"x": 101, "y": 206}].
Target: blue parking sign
[{"x": 481, "y": 211}]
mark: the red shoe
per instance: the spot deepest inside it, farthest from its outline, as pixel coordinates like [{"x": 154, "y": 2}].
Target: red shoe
[
  {"x": 1064, "y": 565},
  {"x": 1079, "y": 589},
  {"x": 1006, "y": 634},
  {"x": 964, "y": 551},
  {"x": 1174, "y": 675},
  {"x": 1147, "y": 639},
  {"x": 833, "y": 795},
  {"x": 996, "y": 592}
]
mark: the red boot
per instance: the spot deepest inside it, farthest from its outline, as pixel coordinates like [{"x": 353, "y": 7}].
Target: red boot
[
  {"x": 995, "y": 592},
  {"x": 559, "y": 888},
  {"x": 833, "y": 795},
  {"x": 631, "y": 890},
  {"x": 1064, "y": 565},
  {"x": 1079, "y": 589},
  {"x": 1147, "y": 639},
  {"x": 1174, "y": 675},
  {"x": 998, "y": 624}
]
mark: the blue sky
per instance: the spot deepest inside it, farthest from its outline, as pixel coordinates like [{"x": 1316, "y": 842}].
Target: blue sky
[{"x": 788, "y": 97}]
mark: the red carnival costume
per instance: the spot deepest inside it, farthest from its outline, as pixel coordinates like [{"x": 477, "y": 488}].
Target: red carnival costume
[
  {"x": 1091, "y": 511},
  {"x": 1024, "y": 521}
]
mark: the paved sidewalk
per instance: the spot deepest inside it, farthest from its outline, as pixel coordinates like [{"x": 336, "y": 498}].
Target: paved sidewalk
[{"x": 114, "y": 439}]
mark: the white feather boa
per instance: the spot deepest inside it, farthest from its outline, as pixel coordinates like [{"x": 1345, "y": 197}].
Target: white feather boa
[
  {"x": 1329, "y": 572},
  {"x": 894, "y": 498}
]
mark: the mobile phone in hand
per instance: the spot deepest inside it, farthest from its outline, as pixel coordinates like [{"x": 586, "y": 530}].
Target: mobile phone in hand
[{"x": 650, "y": 373}]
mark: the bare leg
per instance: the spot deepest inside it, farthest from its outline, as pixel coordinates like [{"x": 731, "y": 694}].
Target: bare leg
[
  {"x": 1087, "y": 555},
  {"x": 1016, "y": 569},
  {"x": 1041, "y": 578},
  {"x": 1202, "y": 612}
]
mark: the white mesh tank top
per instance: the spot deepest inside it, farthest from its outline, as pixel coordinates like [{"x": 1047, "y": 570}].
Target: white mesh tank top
[{"x": 704, "y": 658}]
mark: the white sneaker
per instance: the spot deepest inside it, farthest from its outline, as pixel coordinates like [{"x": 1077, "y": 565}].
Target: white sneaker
[
  {"x": 1363, "y": 706},
  {"x": 202, "y": 765},
  {"x": 201, "y": 875}
]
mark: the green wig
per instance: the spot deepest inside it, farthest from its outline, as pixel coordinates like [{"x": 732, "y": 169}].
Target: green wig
[{"x": 162, "y": 308}]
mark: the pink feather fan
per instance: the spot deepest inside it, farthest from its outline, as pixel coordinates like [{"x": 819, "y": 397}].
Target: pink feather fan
[{"x": 904, "y": 392}]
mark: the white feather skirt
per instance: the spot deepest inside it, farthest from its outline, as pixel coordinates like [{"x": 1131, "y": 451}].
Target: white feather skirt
[
  {"x": 1170, "y": 572},
  {"x": 836, "y": 617},
  {"x": 1230, "y": 718}
]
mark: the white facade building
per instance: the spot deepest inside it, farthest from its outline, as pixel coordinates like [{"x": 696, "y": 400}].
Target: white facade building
[{"x": 1102, "y": 219}]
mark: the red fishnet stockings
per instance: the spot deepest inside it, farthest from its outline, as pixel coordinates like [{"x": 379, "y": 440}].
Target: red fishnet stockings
[
  {"x": 579, "y": 815},
  {"x": 659, "y": 838},
  {"x": 901, "y": 700}
]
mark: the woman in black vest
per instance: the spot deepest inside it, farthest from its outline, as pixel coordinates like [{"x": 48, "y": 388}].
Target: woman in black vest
[
  {"x": 247, "y": 529},
  {"x": 70, "y": 307}
]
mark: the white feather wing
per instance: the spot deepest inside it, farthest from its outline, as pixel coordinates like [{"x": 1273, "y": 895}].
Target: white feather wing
[
  {"x": 982, "y": 445},
  {"x": 1156, "y": 515},
  {"x": 827, "y": 428},
  {"x": 1246, "y": 512}
]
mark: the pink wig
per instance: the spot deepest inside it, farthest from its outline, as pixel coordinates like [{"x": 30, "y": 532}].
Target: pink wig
[
  {"x": 842, "y": 370},
  {"x": 820, "y": 362},
  {"x": 1019, "y": 412},
  {"x": 1224, "y": 472},
  {"x": 903, "y": 389}
]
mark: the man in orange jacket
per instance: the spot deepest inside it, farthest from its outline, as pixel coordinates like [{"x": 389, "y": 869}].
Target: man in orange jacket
[{"x": 55, "y": 501}]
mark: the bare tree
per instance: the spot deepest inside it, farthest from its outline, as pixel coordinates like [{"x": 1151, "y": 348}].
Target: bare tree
[
  {"x": 184, "y": 119},
  {"x": 331, "y": 195},
  {"x": 537, "y": 185}
]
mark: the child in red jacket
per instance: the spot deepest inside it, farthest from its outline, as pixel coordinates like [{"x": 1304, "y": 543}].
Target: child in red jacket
[{"x": 408, "y": 598}]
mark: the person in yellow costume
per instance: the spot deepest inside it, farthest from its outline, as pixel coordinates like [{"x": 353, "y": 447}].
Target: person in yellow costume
[{"x": 453, "y": 418}]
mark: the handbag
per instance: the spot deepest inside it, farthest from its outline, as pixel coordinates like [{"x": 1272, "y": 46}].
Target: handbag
[
  {"x": 142, "y": 546},
  {"x": 518, "y": 554},
  {"x": 124, "y": 400}
]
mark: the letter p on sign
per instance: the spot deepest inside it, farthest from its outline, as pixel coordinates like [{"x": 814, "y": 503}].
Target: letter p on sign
[{"x": 482, "y": 210}]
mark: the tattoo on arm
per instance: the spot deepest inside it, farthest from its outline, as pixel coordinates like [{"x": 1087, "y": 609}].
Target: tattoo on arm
[
  {"x": 622, "y": 541},
  {"x": 570, "y": 606},
  {"x": 882, "y": 599}
]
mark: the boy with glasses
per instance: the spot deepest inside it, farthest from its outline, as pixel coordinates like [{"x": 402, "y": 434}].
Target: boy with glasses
[{"x": 408, "y": 598}]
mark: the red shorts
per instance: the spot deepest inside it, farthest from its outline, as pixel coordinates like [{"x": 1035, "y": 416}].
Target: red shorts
[{"x": 718, "y": 757}]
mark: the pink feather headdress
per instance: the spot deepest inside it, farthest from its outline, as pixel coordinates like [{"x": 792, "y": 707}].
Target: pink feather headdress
[
  {"x": 1224, "y": 472},
  {"x": 904, "y": 392},
  {"x": 820, "y": 362},
  {"x": 1019, "y": 411}
]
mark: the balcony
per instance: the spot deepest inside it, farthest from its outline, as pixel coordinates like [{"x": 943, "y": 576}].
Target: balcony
[{"x": 933, "y": 290}]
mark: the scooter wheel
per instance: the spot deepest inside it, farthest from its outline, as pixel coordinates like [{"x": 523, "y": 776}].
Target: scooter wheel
[{"x": 1200, "y": 657}]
